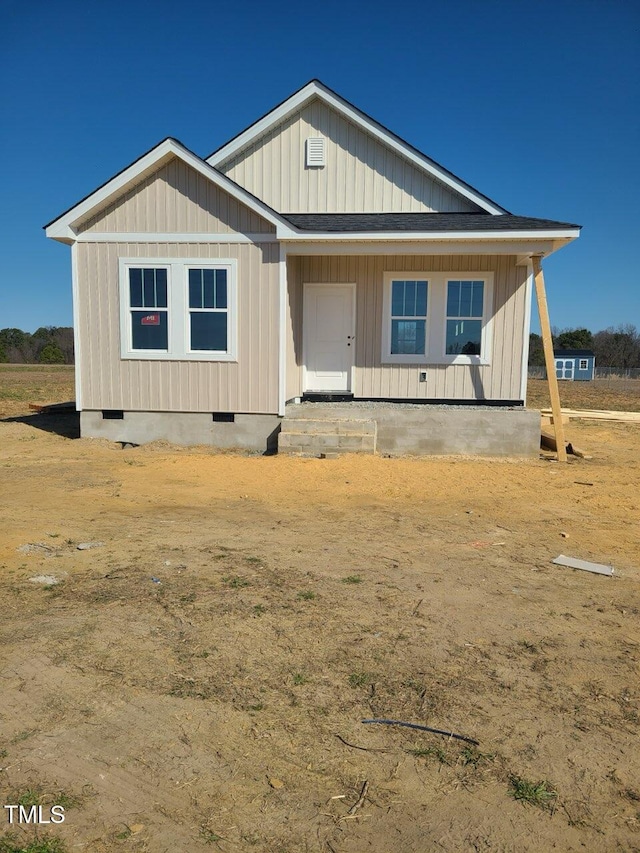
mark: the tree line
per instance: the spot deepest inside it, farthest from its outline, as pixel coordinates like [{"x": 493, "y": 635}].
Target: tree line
[
  {"x": 613, "y": 347},
  {"x": 47, "y": 345}
]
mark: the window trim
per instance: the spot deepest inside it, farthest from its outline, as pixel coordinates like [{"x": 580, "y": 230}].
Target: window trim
[
  {"x": 387, "y": 316},
  {"x": 583, "y": 364},
  {"x": 178, "y": 311},
  {"x": 436, "y": 327}
]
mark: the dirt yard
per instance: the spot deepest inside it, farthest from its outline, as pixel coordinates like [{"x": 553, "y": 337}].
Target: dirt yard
[{"x": 197, "y": 680}]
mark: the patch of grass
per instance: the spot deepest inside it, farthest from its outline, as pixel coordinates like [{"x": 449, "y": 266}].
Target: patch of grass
[
  {"x": 431, "y": 752},
  {"x": 254, "y": 560},
  {"x": 299, "y": 679},
  {"x": 67, "y": 801},
  {"x": 360, "y": 679},
  {"x": 352, "y": 579},
  {"x": 258, "y": 707},
  {"x": 24, "y": 735},
  {"x": 470, "y": 756},
  {"x": 525, "y": 644},
  {"x": 41, "y": 845},
  {"x": 235, "y": 581},
  {"x": 259, "y": 609},
  {"x": 540, "y": 794},
  {"x": 307, "y": 595},
  {"x": 208, "y": 836},
  {"x": 30, "y": 797}
]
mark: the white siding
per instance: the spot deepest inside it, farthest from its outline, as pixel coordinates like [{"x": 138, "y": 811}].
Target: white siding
[
  {"x": 176, "y": 199},
  {"x": 361, "y": 174},
  {"x": 110, "y": 382},
  {"x": 499, "y": 380}
]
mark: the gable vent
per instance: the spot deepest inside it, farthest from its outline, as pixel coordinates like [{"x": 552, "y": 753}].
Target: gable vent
[{"x": 315, "y": 151}]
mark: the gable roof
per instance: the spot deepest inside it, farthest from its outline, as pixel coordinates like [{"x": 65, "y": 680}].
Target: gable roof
[
  {"x": 61, "y": 228},
  {"x": 425, "y": 223},
  {"x": 317, "y": 89}
]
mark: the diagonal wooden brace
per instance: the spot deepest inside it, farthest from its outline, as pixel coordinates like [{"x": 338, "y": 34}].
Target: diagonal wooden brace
[{"x": 549, "y": 360}]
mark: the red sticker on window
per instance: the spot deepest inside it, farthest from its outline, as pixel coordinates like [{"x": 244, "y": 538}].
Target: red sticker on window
[{"x": 151, "y": 320}]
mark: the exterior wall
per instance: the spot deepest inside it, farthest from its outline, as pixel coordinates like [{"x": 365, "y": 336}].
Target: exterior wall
[
  {"x": 500, "y": 380},
  {"x": 361, "y": 175},
  {"x": 110, "y": 382},
  {"x": 176, "y": 199}
]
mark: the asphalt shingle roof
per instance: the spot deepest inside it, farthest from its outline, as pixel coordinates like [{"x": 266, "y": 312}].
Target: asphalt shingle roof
[{"x": 420, "y": 222}]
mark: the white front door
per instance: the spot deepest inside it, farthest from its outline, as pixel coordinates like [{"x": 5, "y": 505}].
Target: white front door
[{"x": 328, "y": 334}]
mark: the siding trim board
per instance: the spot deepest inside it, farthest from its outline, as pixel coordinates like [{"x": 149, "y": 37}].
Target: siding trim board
[{"x": 161, "y": 236}]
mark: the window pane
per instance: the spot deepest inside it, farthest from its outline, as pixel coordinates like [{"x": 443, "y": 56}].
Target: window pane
[
  {"x": 149, "y": 288},
  {"x": 464, "y": 337},
  {"x": 195, "y": 289},
  {"x": 161, "y": 288},
  {"x": 421, "y": 299},
  {"x": 209, "y": 331},
  {"x": 465, "y": 299},
  {"x": 149, "y": 330},
  {"x": 407, "y": 337},
  {"x": 453, "y": 299},
  {"x": 221, "y": 289},
  {"x": 397, "y": 298},
  {"x": 409, "y": 299},
  {"x": 135, "y": 288},
  {"x": 208, "y": 277},
  {"x": 477, "y": 299}
]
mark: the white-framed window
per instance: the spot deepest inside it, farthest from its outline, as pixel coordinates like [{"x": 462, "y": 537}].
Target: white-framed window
[
  {"x": 178, "y": 309},
  {"x": 465, "y": 309},
  {"x": 437, "y": 318},
  {"x": 584, "y": 364},
  {"x": 405, "y": 318}
]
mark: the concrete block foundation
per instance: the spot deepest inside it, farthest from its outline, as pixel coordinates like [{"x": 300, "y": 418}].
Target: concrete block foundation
[
  {"x": 246, "y": 432},
  {"x": 423, "y": 430},
  {"x": 314, "y": 428}
]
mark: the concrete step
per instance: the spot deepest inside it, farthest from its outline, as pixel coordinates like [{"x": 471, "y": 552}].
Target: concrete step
[
  {"x": 337, "y": 426},
  {"x": 331, "y": 437}
]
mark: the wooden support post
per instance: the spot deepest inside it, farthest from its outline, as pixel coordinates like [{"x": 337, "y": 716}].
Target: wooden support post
[{"x": 547, "y": 343}]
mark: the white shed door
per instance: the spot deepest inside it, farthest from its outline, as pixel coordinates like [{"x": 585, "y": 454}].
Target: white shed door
[
  {"x": 564, "y": 368},
  {"x": 328, "y": 336}
]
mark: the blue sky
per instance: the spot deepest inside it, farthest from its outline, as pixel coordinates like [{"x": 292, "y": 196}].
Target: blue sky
[{"x": 534, "y": 104}]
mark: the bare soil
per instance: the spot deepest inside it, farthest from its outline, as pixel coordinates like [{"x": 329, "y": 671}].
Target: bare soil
[{"x": 198, "y": 681}]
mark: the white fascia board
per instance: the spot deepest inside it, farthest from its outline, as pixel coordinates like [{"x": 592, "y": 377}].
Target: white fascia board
[
  {"x": 418, "y": 247},
  {"x": 375, "y": 236},
  {"x": 359, "y": 119},
  {"x": 62, "y": 227}
]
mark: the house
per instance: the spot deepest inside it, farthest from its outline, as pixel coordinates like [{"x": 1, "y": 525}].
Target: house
[
  {"x": 575, "y": 363},
  {"x": 316, "y": 255}
]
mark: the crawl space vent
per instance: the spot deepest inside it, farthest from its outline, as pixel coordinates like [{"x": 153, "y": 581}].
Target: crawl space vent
[{"x": 315, "y": 151}]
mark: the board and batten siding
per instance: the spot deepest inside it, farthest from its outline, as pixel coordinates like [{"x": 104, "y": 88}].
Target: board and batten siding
[
  {"x": 499, "y": 380},
  {"x": 361, "y": 174},
  {"x": 176, "y": 199},
  {"x": 111, "y": 382}
]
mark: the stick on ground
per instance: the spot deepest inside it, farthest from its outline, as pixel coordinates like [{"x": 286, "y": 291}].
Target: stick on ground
[{"x": 424, "y": 729}]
